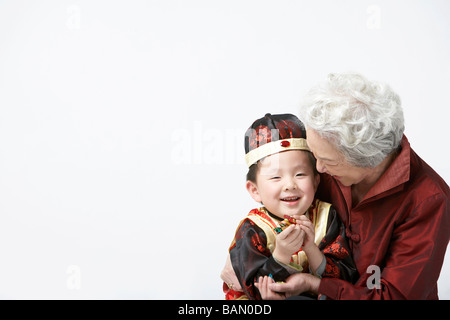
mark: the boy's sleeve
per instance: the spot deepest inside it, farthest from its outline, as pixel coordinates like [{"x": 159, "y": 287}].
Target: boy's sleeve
[
  {"x": 251, "y": 258},
  {"x": 334, "y": 245}
]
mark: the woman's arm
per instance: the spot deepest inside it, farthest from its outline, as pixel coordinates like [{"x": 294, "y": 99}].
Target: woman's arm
[
  {"x": 413, "y": 262},
  {"x": 411, "y": 270}
]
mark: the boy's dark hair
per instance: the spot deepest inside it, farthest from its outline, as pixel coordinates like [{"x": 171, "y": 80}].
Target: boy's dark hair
[{"x": 253, "y": 170}]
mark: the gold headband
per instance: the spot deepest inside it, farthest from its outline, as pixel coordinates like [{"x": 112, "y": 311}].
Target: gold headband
[{"x": 274, "y": 147}]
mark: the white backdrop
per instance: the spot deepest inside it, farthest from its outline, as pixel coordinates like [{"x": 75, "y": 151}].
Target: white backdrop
[{"x": 122, "y": 123}]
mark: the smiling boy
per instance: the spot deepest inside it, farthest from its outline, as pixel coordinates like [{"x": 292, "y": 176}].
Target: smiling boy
[{"x": 282, "y": 177}]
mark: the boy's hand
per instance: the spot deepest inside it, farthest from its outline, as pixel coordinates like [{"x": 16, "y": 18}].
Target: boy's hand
[
  {"x": 307, "y": 226},
  {"x": 288, "y": 242}
]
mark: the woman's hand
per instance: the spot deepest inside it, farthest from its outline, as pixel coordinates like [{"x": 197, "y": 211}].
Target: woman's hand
[
  {"x": 296, "y": 284},
  {"x": 293, "y": 286}
]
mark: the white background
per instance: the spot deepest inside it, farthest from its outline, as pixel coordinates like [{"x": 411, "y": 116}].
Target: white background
[{"x": 122, "y": 124}]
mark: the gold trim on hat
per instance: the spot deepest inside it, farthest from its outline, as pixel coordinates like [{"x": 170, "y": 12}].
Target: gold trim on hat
[{"x": 274, "y": 147}]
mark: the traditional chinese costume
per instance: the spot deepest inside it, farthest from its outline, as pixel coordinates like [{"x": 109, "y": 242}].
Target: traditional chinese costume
[{"x": 254, "y": 241}]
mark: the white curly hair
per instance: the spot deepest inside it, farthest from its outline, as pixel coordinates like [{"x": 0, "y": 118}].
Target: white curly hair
[{"x": 362, "y": 118}]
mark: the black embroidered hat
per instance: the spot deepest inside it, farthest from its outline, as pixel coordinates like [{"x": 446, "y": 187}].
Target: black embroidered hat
[{"x": 272, "y": 134}]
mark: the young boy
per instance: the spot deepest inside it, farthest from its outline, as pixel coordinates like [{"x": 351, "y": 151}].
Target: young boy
[{"x": 282, "y": 176}]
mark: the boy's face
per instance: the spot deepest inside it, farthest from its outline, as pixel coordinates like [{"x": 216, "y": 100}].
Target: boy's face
[{"x": 285, "y": 183}]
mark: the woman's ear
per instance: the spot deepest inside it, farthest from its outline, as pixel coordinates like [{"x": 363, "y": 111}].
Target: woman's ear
[{"x": 253, "y": 190}]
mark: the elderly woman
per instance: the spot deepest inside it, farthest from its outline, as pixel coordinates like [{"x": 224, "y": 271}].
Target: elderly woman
[{"x": 394, "y": 206}]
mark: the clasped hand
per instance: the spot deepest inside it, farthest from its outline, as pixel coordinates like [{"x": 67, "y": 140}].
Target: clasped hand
[
  {"x": 294, "y": 237},
  {"x": 288, "y": 242}
]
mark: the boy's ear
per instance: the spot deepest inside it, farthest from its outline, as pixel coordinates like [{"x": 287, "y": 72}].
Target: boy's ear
[
  {"x": 253, "y": 190},
  {"x": 316, "y": 181}
]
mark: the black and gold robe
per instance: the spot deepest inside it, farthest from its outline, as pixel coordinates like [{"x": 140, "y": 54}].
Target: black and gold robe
[{"x": 250, "y": 252}]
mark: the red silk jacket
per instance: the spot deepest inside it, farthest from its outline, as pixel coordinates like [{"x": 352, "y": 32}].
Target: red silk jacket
[{"x": 401, "y": 227}]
